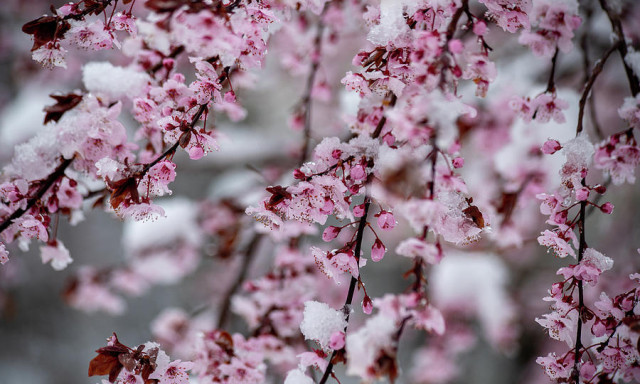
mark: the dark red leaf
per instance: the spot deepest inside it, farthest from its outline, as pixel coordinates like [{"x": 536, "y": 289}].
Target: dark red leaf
[
  {"x": 103, "y": 364},
  {"x": 45, "y": 29},
  {"x": 473, "y": 213},
  {"x": 63, "y": 104},
  {"x": 278, "y": 194}
]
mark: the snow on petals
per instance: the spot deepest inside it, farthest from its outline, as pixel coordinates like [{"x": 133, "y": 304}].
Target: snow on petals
[
  {"x": 57, "y": 254},
  {"x": 320, "y": 322}
]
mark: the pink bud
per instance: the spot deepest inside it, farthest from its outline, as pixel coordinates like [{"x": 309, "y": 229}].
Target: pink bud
[
  {"x": 336, "y": 341},
  {"x": 458, "y": 162},
  {"x": 607, "y": 208},
  {"x": 600, "y": 189},
  {"x": 480, "y": 28},
  {"x": 377, "y": 251},
  {"x": 386, "y": 220},
  {"x": 358, "y": 210},
  {"x": 330, "y": 233},
  {"x": 389, "y": 139},
  {"x": 367, "y": 305},
  {"x": 336, "y": 153},
  {"x": 195, "y": 152},
  {"x": 582, "y": 194},
  {"x": 551, "y": 146},
  {"x": 456, "y": 46}
]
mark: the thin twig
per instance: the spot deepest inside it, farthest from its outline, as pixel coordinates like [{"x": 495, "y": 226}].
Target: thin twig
[
  {"x": 46, "y": 184},
  {"x": 352, "y": 286},
  {"x": 392, "y": 101},
  {"x": 616, "y": 24},
  {"x": 306, "y": 100},
  {"x": 249, "y": 255},
  {"x": 597, "y": 69},
  {"x": 551, "y": 85}
]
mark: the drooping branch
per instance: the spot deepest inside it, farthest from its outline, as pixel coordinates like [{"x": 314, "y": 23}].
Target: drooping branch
[
  {"x": 46, "y": 184},
  {"x": 248, "y": 256},
  {"x": 599, "y": 66},
  {"x": 597, "y": 69},
  {"x": 306, "y": 99},
  {"x": 616, "y": 24},
  {"x": 354, "y": 281}
]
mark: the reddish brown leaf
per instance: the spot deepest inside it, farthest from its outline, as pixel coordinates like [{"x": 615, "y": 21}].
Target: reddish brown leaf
[
  {"x": 63, "y": 104},
  {"x": 473, "y": 213},
  {"x": 278, "y": 194},
  {"x": 45, "y": 29},
  {"x": 103, "y": 364}
]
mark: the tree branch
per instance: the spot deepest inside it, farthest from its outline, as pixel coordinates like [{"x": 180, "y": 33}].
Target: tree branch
[
  {"x": 306, "y": 99},
  {"x": 249, "y": 255},
  {"x": 352, "y": 286},
  {"x": 597, "y": 69},
  {"x": 616, "y": 24},
  {"x": 46, "y": 184}
]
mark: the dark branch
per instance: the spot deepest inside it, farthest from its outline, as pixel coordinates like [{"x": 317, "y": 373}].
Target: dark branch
[
  {"x": 616, "y": 24},
  {"x": 352, "y": 286},
  {"x": 248, "y": 257},
  {"x": 46, "y": 184},
  {"x": 597, "y": 69},
  {"x": 306, "y": 100}
]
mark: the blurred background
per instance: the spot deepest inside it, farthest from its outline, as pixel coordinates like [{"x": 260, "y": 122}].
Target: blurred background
[{"x": 46, "y": 341}]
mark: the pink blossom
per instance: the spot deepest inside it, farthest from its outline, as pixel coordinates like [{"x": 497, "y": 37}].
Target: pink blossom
[
  {"x": 68, "y": 195},
  {"x": 313, "y": 359},
  {"x": 413, "y": 247},
  {"x": 548, "y": 106},
  {"x": 618, "y": 156},
  {"x": 4, "y": 254},
  {"x": 173, "y": 373},
  {"x": 630, "y": 111},
  {"x": 57, "y": 253},
  {"x": 386, "y": 221},
  {"x": 559, "y": 245},
  {"x": 157, "y": 179},
  {"x": 561, "y": 327},
  {"x": 50, "y": 55},
  {"x": 91, "y": 35},
  {"x": 556, "y": 368},
  {"x": 337, "y": 340},
  {"x": 430, "y": 319},
  {"x": 125, "y": 22},
  {"x": 32, "y": 228},
  {"x": 140, "y": 212}
]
